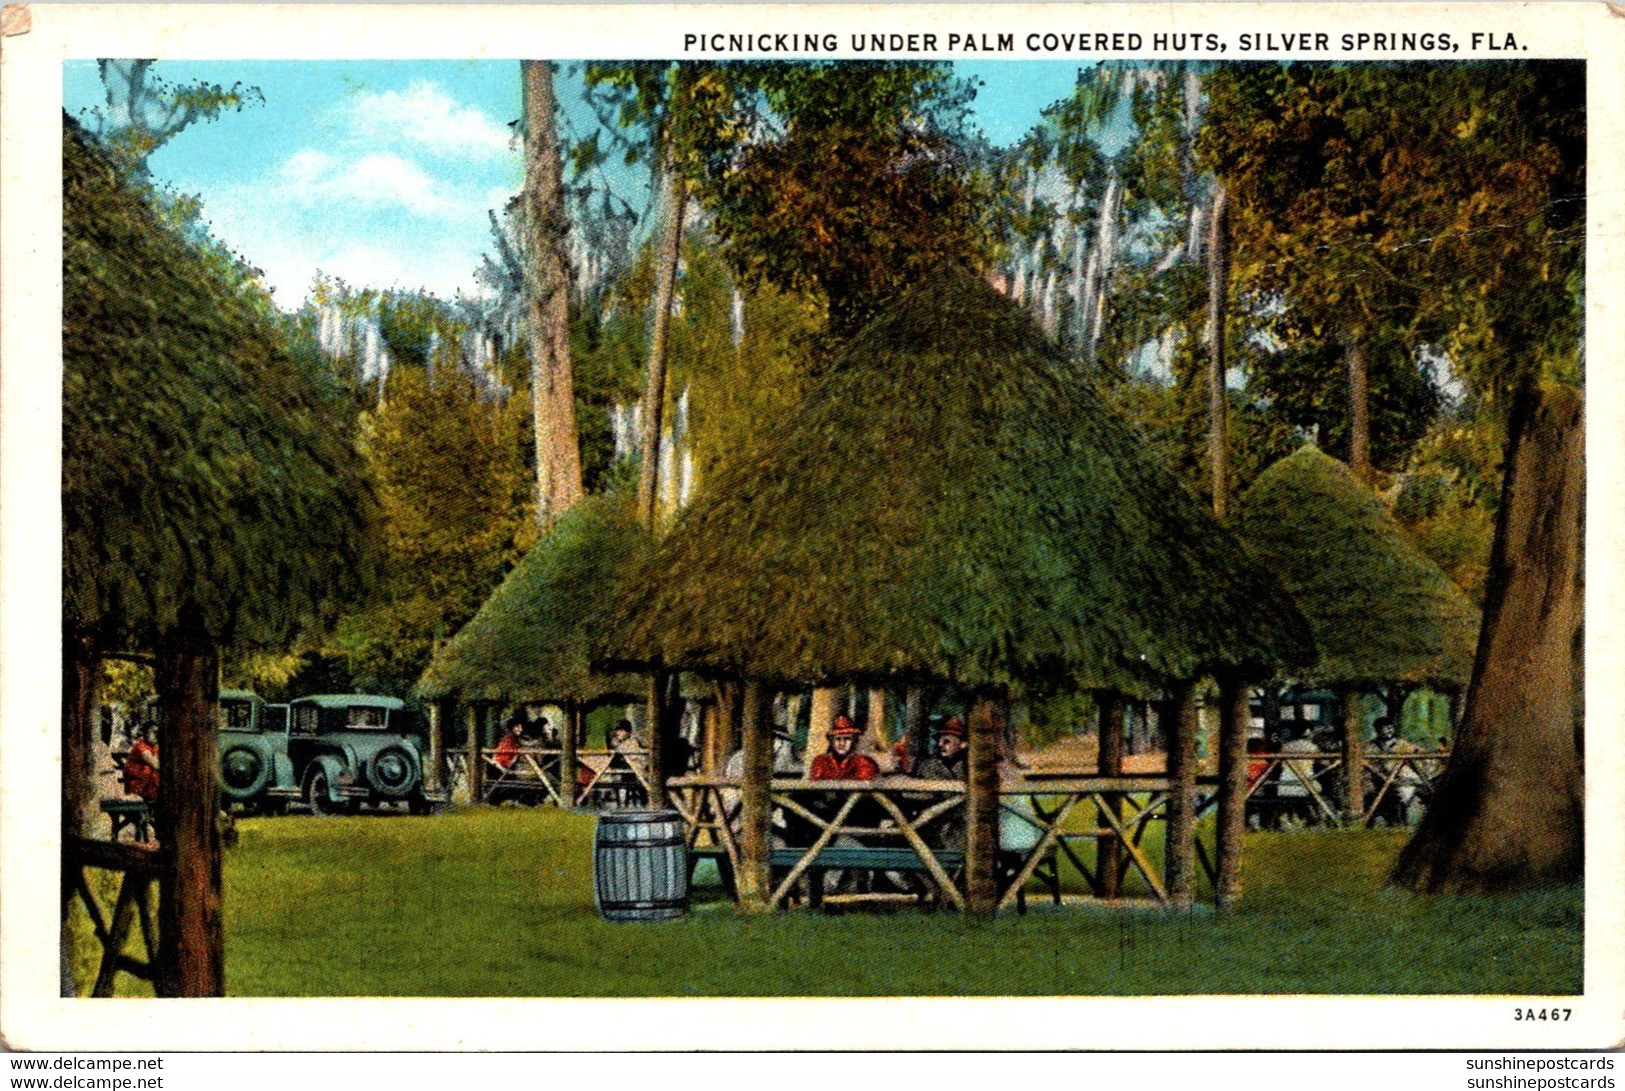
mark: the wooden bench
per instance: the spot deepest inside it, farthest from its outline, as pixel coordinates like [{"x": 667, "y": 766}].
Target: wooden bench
[
  {"x": 868, "y": 859},
  {"x": 133, "y": 813}
]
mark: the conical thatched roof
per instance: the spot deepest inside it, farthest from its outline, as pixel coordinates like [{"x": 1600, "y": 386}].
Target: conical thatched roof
[
  {"x": 1380, "y": 609},
  {"x": 535, "y": 637},
  {"x": 950, "y": 501}
]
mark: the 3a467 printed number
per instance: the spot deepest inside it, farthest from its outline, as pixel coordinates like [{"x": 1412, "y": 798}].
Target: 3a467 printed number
[{"x": 1542, "y": 1015}]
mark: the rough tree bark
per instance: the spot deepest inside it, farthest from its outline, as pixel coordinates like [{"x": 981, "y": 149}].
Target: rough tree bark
[
  {"x": 558, "y": 451},
  {"x": 674, "y": 201},
  {"x": 1509, "y": 812},
  {"x": 190, "y": 938},
  {"x": 1359, "y": 409},
  {"x": 1218, "y": 443}
]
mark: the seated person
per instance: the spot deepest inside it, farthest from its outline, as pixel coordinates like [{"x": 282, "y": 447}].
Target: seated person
[
  {"x": 841, "y": 761},
  {"x": 513, "y": 739},
  {"x": 949, "y": 762},
  {"x": 141, "y": 767}
]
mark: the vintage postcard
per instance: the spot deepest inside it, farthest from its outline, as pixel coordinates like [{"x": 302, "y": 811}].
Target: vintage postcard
[{"x": 659, "y": 527}]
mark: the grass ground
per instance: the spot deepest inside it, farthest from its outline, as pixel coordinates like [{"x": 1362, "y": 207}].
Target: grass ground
[{"x": 498, "y": 902}]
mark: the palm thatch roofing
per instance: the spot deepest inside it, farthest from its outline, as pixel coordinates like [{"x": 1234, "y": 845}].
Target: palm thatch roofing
[
  {"x": 208, "y": 467},
  {"x": 1381, "y": 611},
  {"x": 535, "y": 638},
  {"x": 951, "y": 501}
]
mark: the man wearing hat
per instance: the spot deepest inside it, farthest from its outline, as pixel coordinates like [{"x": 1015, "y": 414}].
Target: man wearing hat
[
  {"x": 949, "y": 762},
  {"x": 842, "y": 761}
]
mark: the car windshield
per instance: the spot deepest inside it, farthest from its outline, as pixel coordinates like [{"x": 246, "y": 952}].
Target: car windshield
[{"x": 236, "y": 715}]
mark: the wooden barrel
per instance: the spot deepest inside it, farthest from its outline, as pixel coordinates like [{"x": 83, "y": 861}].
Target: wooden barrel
[{"x": 640, "y": 866}]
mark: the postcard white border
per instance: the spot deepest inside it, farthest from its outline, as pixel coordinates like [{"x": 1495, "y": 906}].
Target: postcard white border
[{"x": 32, "y": 1016}]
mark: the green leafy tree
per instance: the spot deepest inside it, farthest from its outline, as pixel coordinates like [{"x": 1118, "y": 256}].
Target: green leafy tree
[{"x": 1458, "y": 225}]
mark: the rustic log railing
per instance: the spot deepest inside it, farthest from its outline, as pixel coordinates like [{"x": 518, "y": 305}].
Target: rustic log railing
[
  {"x": 1382, "y": 772},
  {"x": 889, "y": 813},
  {"x": 139, "y": 866}
]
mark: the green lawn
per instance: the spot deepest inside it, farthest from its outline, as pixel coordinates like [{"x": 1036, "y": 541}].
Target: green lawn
[{"x": 499, "y": 903}]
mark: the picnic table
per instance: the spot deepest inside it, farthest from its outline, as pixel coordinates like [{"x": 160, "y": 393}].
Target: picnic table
[
  {"x": 600, "y": 779},
  {"x": 907, "y": 825}
]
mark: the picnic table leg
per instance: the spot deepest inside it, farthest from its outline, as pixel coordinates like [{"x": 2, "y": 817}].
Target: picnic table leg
[
  {"x": 1234, "y": 717},
  {"x": 1180, "y": 869}
]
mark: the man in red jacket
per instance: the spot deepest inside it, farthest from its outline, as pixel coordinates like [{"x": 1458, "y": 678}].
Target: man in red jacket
[{"x": 841, "y": 762}]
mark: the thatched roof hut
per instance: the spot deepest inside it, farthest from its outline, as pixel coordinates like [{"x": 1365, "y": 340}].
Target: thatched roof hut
[
  {"x": 536, "y": 636},
  {"x": 1381, "y": 611},
  {"x": 951, "y": 501}
]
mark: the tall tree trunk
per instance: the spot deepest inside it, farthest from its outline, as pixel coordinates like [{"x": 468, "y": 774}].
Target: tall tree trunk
[
  {"x": 673, "y": 202},
  {"x": 191, "y": 945},
  {"x": 754, "y": 881},
  {"x": 1509, "y": 812},
  {"x": 1235, "y": 715},
  {"x": 558, "y": 449},
  {"x": 1359, "y": 410},
  {"x": 1218, "y": 443},
  {"x": 985, "y": 717},
  {"x": 1180, "y": 849}
]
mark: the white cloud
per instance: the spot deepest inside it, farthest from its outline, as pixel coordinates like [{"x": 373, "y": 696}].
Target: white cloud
[
  {"x": 425, "y": 115},
  {"x": 382, "y": 178}
]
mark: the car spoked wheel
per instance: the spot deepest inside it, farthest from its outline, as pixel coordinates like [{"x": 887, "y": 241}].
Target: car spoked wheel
[{"x": 316, "y": 795}]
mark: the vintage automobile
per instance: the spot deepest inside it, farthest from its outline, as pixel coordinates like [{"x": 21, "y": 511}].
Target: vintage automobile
[
  {"x": 349, "y": 749},
  {"x": 256, "y": 774}
]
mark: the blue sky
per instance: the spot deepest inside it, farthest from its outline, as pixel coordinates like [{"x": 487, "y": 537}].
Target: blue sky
[{"x": 382, "y": 172}]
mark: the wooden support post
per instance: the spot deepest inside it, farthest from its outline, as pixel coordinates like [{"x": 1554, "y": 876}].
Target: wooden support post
[
  {"x": 78, "y": 701},
  {"x": 435, "y": 775},
  {"x": 723, "y": 729},
  {"x": 824, "y": 705},
  {"x": 1109, "y": 707},
  {"x": 1352, "y": 803},
  {"x": 916, "y": 728},
  {"x": 1180, "y": 731},
  {"x": 986, "y": 717},
  {"x": 655, "y": 755},
  {"x": 754, "y": 879},
  {"x": 476, "y": 772},
  {"x": 191, "y": 949},
  {"x": 569, "y": 732},
  {"x": 1235, "y": 716}
]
